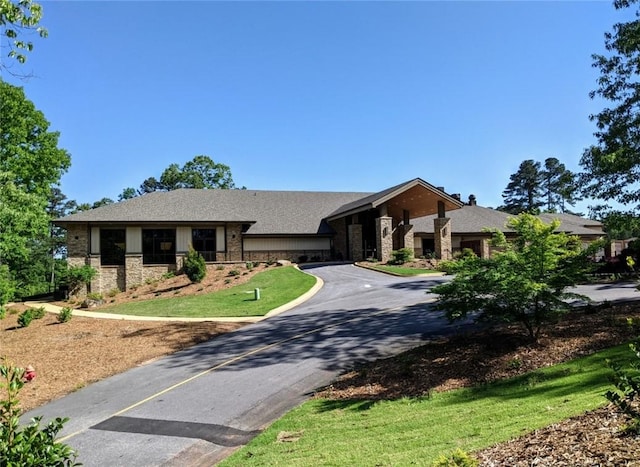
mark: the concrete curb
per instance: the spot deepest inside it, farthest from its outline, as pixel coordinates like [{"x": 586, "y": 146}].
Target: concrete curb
[{"x": 50, "y": 308}]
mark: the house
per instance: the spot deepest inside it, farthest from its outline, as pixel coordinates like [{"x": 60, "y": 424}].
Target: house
[
  {"x": 143, "y": 238},
  {"x": 471, "y": 222}
]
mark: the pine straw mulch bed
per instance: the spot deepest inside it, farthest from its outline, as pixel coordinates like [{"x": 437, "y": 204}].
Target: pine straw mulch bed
[{"x": 592, "y": 439}]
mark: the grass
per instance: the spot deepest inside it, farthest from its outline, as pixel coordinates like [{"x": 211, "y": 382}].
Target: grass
[
  {"x": 277, "y": 287},
  {"x": 415, "y": 431},
  {"x": 402, "y": 271}
]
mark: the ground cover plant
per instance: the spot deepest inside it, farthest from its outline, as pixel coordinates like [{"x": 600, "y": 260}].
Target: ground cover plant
[{"x": 278, "y": 286}]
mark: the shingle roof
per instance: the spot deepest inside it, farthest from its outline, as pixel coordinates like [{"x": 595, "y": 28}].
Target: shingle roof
[
  {"x": 474, "y": 219},
  {"x": 270, "y": 212}
]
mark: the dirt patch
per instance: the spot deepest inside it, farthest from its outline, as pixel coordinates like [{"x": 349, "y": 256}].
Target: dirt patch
[{"x": 592, "y": 439}]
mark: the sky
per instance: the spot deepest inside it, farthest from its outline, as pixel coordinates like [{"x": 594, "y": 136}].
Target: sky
[{"x": 318, "y": 96}]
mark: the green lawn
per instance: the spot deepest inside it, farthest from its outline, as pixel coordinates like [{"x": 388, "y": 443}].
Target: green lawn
[
  {"x": 277, "y": 287},
  {"x": 415, "y": 431},
  {"x": 402, "y": 271}
]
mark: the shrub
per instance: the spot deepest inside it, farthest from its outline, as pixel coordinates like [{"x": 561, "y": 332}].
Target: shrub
[
  {"x": 65, "y": 315},
  {"x": 457, "y": 458},
  {"x": 303, "y": 259},
  {"x": 39, "y": 313},
  {"x": 25, "y": 318},
  {"x": 168, "y": 275},
  {"x": 401, "y": 256},
  {"x": 30, "y": 445},
  {"x": 77, "y": 276},
  {"x": 234, "y": 272},
  {"x": 250, "y": 265},
  {"x": 3, "y": 312},
  {"x": 95, "y": 296},
  {"x": 627, "y": 396},
  {"x": 113, "y": 292},
  {"x": 194, "y": 266}
]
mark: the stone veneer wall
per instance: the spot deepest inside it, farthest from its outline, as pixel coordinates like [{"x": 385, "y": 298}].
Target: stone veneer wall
[
  {"x": 111, "y": 277},
  {"x": 384, "y": 243},
  {"x": 133, "y": 270},
  {"x": 355, "y": 242},
  {"x": 407, "y": 241},
  {"x": 155, "y": 272},
  {"x": 442, "y": 237},
  {"x": 340, "y": 239},
  {"x": 77, "y": 249},
  {"x": 234, "y": 242}
]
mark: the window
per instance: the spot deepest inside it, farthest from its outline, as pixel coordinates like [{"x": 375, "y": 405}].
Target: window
[
  {"x": 112, "y": 247},
  {"x": 158, "y": 246},
  {"x": 204, "y": 242}
]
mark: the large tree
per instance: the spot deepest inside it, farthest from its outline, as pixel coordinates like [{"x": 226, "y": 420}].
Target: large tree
[
  {"x": 18, "y": 20},
  {"x": 31, "y": 165},
  {"x": 559, "y": 186},
  {"x": 29, "y": 150},
  {"x": 612, "y": 165},
  {"x": 523, "y": 193},
  {"x": 200, "y": 172}
]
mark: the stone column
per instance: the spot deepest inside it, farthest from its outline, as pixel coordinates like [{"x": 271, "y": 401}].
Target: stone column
[
  {"x": 442, "y": 237},
  {"x": 408, "y": 237},
  {"x": 485, "y": 248},
  {"x": 234, "y": 242},
  {"x": 355, "y": 242},
  {"x": 384, "y": 238},
  {"x": 96, "y": 283},
  {"x": 132, "y": 270}
]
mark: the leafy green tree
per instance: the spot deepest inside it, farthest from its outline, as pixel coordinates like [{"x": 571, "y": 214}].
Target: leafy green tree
[
  {"x": 203, "y": 172},
  {"x": 17, "y": 19},
  {"x": 29, "y": 150},
  {"x": 523, "y": 193},
  {"x": 31, "y": 164},
  {"x": 612, "y": 165},
  {"x": 524, "y": 282},
  {"x": 149, "y": 186}
]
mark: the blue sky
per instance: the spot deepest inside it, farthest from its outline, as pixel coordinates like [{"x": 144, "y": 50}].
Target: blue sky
[{"x": 322, "y": 96}]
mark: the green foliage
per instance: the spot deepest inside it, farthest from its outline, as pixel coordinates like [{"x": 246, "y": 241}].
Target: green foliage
[
  {"x": 525, "y": 283},
  {"x": 7, "y": 285},
  {"x": 30, "y": 445},
  {"x": 612, "y": 166},
  {"x": 534, "y": 187},
  {"x": 401, "y": 256},
  {"x": 200, "y": 172},
  {"x": 194, "y": 266},
  {"x": 17, "y": 18},
  {"x": 457, "y": 458},
  {"x": 65, "y": 315},
  {"x": 234, "y": 272},
  {"x": 97, "y": 296},
  {"x": 627, "y": 394},
  {"x": 78, "y": 276},
  {"x": 38, "y": 313},
  {"x": 25, "y": 318},
  {"x": 3, "y": 312}
]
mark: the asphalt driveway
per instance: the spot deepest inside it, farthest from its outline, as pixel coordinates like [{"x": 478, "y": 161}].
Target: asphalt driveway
[{"x": 196, "y": 406}]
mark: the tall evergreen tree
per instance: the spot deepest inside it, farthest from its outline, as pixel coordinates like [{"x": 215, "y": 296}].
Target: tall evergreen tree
[
  {"x": 523, "y": 193},
  {"x": 559, "y": 186}
]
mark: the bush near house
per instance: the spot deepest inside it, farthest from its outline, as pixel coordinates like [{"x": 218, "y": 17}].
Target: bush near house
[{"x": 194, "y": 266}]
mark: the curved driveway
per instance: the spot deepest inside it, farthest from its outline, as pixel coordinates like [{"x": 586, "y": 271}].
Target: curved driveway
[{"x": 195, "y": 406}]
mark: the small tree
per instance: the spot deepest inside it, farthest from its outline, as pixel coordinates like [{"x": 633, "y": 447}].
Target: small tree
[
  {"x": 523, "y": 283},
  {"x": 194, "y": 266}
]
